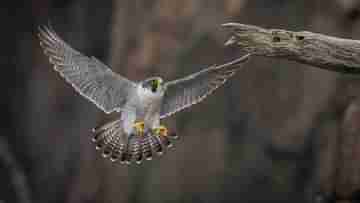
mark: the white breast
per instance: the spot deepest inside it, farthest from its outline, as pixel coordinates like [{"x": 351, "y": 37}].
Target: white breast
[
  {"x": 148, "y": 97},
  {"x": 148, "y": 106}
]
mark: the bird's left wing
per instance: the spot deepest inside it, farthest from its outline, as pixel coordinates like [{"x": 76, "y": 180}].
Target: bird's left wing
[
  {"x": 90, "y": 77},
  {"x": 184, "y": 92}
]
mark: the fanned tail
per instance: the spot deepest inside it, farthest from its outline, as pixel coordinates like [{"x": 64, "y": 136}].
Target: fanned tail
[{"x": 113, "y": 143}]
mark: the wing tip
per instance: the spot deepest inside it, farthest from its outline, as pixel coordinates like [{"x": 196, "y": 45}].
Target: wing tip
[{"x": 236, "y": 62}]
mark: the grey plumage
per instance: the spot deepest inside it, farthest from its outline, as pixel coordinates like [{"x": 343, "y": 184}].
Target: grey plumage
[
  {"x": 190, "y": 90},
  {"x": 148, "y": 101},
  {"x": 89, "y": 76}
]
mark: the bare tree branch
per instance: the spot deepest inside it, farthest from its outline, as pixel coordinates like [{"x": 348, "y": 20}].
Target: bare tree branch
[{"x": 326, "y": 52}]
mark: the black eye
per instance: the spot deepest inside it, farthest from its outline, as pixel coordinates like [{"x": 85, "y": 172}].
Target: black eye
[{"x": 153, "y": 86}]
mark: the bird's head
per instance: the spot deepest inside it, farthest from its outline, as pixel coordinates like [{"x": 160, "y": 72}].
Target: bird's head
[{"x": 154, "y": 84}]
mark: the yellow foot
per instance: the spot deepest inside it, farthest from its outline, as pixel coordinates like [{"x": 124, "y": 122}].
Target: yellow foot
[
  {"x": 161, "y": 130},
  {"x": 139, "y": 127}
]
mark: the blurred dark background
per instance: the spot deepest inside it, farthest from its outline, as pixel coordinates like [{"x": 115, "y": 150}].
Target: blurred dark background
[{"x": 278, "y": 132}]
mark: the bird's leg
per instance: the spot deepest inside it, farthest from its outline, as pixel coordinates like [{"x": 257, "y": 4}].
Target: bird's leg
[
  {"x": 139, "y": 127},
  {"x": 161, "y": 130}
]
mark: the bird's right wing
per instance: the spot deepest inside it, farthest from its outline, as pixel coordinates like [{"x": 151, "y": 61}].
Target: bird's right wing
[
  {"x": 90, "y": 77},
  {"x": 184, "y": 92}
]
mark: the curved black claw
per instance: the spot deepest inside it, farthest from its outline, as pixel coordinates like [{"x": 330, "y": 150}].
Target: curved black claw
[{"x": 173, "y": 135}]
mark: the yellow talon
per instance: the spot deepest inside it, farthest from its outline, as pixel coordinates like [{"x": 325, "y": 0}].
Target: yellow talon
[
  {"x": 139, "y": 127},
  {"x": 161, "y": 130}
]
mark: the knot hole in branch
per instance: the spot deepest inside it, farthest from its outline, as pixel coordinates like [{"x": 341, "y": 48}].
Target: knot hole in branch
[
  {"x": 275, "y": 36},
  {"x": 300, "y": 37},
  {"x": 281, "y": 36},
  {"x": 276, "y": 39}
]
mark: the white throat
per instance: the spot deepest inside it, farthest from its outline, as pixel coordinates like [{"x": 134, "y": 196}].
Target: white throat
[{"x": 147, "y": 95}]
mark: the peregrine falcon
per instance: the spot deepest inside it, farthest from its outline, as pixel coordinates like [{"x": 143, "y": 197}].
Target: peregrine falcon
[{"x": 137, "y": 134}]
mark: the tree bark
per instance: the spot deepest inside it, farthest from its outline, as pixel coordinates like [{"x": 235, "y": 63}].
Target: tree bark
[{"x": 322, "y": 51}]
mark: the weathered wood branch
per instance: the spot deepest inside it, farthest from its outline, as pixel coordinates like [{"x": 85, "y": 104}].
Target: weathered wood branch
[{"x": 326, "y": 52}]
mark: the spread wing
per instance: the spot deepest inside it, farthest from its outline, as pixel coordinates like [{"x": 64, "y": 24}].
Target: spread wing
[
  {"x": 90, "y": 77},
  {"x": 184, "y": 92}
]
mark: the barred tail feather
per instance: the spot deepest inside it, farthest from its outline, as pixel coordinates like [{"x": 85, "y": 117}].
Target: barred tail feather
[
  {"x": 118, "y": 150},
  {"x": 146, "y": 147},
  {"x": 135, "y": 149},
  {"x": 127, "y": 155},
  {"x": 123, "y": 154}
]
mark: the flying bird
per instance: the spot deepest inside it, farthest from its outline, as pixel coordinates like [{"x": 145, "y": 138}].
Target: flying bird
[{"x": 137, "y": 134}]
